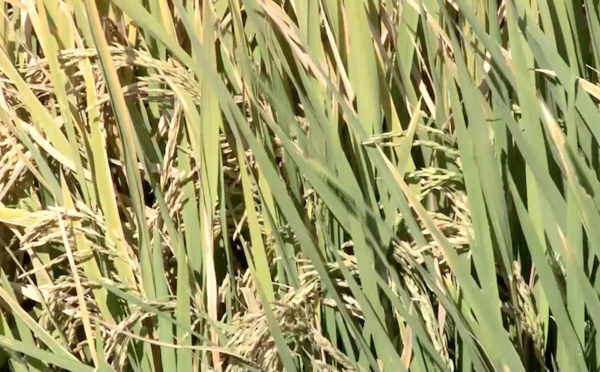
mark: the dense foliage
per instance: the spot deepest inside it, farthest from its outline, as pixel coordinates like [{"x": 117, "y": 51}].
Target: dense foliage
[{"x": 299, "y": 185}]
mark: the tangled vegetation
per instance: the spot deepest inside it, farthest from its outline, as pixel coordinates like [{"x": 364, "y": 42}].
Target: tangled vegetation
[{"x": 299, "y": 185}]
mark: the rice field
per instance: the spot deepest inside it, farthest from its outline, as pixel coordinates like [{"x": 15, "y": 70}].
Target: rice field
[{"x": 299, "y": 185}]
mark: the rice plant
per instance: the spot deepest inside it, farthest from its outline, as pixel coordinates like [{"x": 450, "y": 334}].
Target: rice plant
[{"x": 299, "y": 185}]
